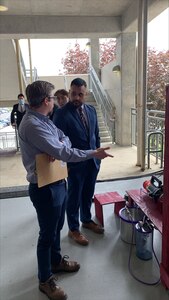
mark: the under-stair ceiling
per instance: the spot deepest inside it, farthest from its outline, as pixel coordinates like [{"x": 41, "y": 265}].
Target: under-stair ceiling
[
  {"x": 104, "y": 8},
  {"x": 68, "y": 7},
  {"x": 36, "y": 18}
]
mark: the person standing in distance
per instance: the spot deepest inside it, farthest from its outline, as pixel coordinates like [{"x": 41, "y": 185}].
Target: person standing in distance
[
  {"x": 79, "y": 122},
  {"x": 18, "y": 111},
  {"x": 38, "y": 134}
]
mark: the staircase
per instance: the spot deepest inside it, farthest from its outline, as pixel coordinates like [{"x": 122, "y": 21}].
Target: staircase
[{"x": 105, "y": 136}]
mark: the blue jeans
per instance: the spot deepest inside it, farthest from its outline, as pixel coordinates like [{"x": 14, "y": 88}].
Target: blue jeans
[{"x": 49, "y": 202}]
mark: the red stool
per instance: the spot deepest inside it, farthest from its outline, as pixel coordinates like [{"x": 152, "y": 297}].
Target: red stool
[{"x": 107, "y": 198}]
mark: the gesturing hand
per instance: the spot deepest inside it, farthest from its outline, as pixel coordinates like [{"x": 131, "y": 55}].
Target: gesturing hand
[
  {"x": 100, "y": 153},
  {"x": 51, "y": 158}
]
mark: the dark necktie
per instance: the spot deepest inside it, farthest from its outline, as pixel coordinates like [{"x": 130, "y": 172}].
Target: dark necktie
[{"x": 83, "y": 119}]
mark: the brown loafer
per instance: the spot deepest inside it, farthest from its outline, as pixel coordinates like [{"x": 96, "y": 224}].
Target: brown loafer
[
  {"x": 66, "y": 266},
  {"x": 78, "y": 237},
  {"x": 94, "y": 227}
]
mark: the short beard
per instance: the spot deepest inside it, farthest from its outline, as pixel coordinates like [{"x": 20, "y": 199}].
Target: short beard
[{"x": 76, "y": 103}]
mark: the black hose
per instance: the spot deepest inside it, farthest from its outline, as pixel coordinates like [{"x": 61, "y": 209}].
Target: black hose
[{"x": 130, "y": 177}]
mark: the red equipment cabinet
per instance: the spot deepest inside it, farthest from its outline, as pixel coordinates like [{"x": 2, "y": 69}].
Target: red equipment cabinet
[
  {"x": 164, "y": 267},
  {"x": 159, "y": 215}
]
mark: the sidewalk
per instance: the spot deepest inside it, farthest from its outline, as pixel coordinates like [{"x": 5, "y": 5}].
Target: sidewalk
[{"x": 123, "y": 165}]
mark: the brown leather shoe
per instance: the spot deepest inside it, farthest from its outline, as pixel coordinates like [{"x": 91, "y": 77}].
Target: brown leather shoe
[
  {"x": 94, "y": 227},
  {"x": 78, "y": 237},
  {"x": 52, "y": 290},
  {"x": 66, "y": 266}
]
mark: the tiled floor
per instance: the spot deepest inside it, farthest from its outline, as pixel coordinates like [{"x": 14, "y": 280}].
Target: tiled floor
[{"x": 104, "y": 273}]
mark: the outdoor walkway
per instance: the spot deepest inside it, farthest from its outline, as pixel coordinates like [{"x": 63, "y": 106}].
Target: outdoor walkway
[{"x": 123, "y": 165}]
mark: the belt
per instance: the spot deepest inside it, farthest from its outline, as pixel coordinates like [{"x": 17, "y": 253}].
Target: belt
[
  {"x": 56, "y": 182},
  {"x": 59, "y": 181}
]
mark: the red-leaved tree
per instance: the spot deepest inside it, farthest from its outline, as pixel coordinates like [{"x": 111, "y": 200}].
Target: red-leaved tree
[
  {"x": 107, "y": 52},
  {"x": 76, "y": 61},
  {"x": 157, "y": 77}
]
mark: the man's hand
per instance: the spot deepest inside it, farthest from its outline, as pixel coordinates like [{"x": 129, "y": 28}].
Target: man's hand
[
  {"x": 51, "y": 159},
  {"x": 100, "y": 153}
]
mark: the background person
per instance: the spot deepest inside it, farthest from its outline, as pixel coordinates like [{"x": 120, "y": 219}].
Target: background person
[
  {"x": 18, "y": 111},
  {"x": 37, "y": 135},
  {"x": 79, "y": 122},
  {"x": 61, "y": 98}
]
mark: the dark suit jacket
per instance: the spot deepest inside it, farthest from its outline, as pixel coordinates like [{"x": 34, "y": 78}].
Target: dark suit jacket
[
  {"x": 53, "y": 112},
  {"x": 68, "y": 120},
  {"x": 18, "y": 114}
]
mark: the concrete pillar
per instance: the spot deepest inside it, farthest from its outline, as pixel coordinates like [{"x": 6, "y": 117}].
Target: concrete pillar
[
  {"x": 142, "y": 83},
  {"x": 126, "y": 58},
  {"x": 94, "y": 44},
  {"x": 30, "y": 60}
]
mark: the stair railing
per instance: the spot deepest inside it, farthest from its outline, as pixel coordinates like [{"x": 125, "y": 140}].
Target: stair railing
[
  {"x": 22, "y": 66},
  {"x": 103, "y": 100},
  {"x": 34, "y": 74},
  {"x": 155, "y": 133}
]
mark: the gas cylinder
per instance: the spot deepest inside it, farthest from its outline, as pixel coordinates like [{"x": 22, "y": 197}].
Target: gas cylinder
[{"x": 144, "y": 240}]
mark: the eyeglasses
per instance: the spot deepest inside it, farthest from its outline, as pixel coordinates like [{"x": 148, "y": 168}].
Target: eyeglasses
[{"x": 52, "y": 97}]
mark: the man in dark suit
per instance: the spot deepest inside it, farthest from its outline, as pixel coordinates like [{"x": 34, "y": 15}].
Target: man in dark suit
[
  {"x": 18, "y": 111},
  {"x": 79, "y": 122}
]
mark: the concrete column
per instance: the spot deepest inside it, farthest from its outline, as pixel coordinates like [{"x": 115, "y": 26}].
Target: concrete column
[
  {"x": 126, "y": 58},
  {"x": 142, "y": 83},
  {"x": 94, "y": 44},
  {"x": 30, "y": 60}
]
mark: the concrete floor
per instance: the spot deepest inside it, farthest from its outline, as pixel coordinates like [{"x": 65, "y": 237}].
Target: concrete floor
[
  {"x": 123, "y": 164},
  {"x": 104, "y": 270}
]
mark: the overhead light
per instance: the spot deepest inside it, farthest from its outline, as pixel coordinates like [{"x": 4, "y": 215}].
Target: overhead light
[
  {"x": 88, "y": 44},
  {"x": 116, "y": 69},
  {"x": 3, "y": 6}
]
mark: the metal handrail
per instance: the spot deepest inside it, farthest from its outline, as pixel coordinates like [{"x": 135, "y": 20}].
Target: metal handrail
[
  {"x": 155, "y": 123},
  {"x": 34, "y": 74},
  {"x": 8, "y": 140},
  {"x": 158, "y": 135},
  {"x": 104, "y": 102}
]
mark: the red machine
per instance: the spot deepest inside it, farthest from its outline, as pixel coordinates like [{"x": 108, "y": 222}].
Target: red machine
[
  {"x": 164, "y": 267},
  {"x": 154, "y": 188}
]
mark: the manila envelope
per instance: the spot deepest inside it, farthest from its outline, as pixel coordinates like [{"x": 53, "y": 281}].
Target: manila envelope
[{"x": 49, "y": 172}]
